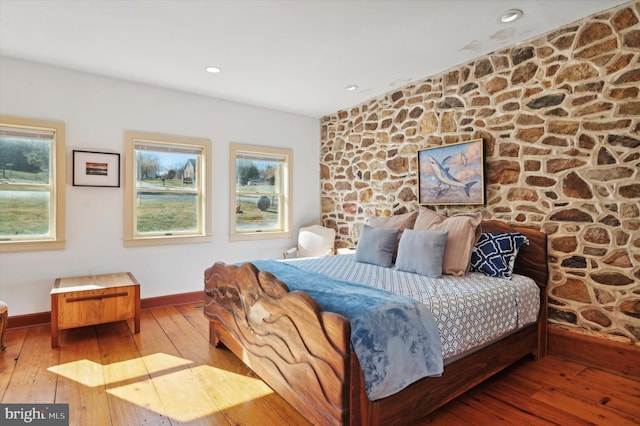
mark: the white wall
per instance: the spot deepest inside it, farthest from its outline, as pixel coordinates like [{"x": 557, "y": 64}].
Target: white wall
[{"x": 97, "y": 111}]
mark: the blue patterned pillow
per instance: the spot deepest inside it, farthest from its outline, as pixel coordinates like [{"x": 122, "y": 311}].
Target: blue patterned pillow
[{"x": 495, "y": 254}]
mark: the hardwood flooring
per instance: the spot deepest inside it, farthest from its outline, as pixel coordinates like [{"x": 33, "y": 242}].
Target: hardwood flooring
[{"x": 168, "y": 374}]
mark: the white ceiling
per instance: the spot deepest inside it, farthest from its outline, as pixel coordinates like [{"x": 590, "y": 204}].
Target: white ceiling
[{"x": 291, "y": 55}]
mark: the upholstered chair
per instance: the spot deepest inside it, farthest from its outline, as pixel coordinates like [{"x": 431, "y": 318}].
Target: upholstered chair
[{"x": 314, "y": 240}]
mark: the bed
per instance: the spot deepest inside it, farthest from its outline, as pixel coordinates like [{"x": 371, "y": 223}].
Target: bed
[{"x": 305, "y": 354}]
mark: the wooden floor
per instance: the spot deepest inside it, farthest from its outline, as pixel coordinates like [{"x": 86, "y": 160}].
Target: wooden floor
[{"x": 169, "y": 375}]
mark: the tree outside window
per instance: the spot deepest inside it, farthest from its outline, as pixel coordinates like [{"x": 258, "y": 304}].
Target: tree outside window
[
  {"x": 261, "y": 192},
  {"x": 168, "y": 196}
]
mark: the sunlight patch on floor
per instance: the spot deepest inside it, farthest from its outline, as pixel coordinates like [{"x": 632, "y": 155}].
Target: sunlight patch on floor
[
  {"x": 90, "y": 373},
  {"x": 176, "y": 395},
  {"x": 231, "y": 388},
  {"x": 168, "y": 385}
]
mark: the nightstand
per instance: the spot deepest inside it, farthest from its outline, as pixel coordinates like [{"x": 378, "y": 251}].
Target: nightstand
[{"x": 93, "y": 299}]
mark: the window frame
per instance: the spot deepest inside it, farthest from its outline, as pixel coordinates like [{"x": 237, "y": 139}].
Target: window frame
[
  {"x": 56, "y": 239},
  {"x": 131, "y": 239},
  {"x": 287, "y": 190}
]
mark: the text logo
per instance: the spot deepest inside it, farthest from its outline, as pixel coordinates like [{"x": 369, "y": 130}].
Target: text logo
[{"x": 34, "y": 414}]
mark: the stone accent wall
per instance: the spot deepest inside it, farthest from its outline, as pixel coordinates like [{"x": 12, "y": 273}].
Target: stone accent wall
[{"x": 560, "y": 120}]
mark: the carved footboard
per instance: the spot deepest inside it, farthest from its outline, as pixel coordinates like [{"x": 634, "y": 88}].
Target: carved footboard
[{"x": 284, "y": 337}]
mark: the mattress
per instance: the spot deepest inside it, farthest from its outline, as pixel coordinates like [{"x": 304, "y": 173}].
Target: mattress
[{"x": 469, "y": 312}]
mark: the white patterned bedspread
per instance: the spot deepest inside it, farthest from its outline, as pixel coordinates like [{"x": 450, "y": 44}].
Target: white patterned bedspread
[{"x": 469, "y": 311}]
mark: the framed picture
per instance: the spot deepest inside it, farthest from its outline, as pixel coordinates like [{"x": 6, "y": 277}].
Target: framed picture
[
  {"x": 96, "y": 169},
  {"x": 451, "y": 174}
]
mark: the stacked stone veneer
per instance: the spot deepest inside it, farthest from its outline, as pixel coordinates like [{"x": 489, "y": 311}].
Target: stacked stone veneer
[{"x": 560, "y": 120}]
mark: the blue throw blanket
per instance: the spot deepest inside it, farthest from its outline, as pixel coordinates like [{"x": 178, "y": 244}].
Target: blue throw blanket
[{"x": 394, "y": 337}]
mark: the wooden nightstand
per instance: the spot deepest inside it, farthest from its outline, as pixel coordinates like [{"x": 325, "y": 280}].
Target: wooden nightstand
[{"x": 93, "y": 299}]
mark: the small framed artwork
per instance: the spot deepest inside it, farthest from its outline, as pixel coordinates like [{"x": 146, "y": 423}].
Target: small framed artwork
[
  {"x": 451, "y": 174},
  {"x": 96, "y": 169}
]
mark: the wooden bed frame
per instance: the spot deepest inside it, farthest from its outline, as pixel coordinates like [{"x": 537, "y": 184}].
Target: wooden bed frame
[{"x": 304, "y": 353}]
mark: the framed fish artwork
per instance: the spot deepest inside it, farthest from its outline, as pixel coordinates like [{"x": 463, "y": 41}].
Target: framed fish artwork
[{"x": 451, "y": 174}]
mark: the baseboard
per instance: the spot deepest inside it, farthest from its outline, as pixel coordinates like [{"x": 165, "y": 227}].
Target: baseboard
[
  {"x": 606, "y": 354},
  {"x": 28, "y": 320},
  {"x": 172, "y": 300},
  {"x": 39, "y": 318}
]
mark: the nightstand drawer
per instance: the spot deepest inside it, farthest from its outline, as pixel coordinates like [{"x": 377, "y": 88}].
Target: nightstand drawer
[{"x": 80, "y": 308}]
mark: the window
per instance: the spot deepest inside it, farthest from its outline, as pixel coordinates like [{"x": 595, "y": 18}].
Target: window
[
  {"x": 261, "y": 188},
  {"x": 167, "y": 189},
  {"x": 32, "y": 184}
]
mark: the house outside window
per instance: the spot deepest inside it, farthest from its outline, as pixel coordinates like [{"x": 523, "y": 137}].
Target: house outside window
[
  {"x": 167, "y": 189},
  {"x": 260, "y": 188},
  {"x": 32, "y": 184}
]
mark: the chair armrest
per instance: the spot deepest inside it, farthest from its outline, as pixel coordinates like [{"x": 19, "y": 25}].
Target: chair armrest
[{"x": 289, "y": 252}]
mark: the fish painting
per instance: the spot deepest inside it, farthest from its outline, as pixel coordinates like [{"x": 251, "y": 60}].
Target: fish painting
[
  {"x": 452, "y": 174},
  {"x": 444, "y": 177}
]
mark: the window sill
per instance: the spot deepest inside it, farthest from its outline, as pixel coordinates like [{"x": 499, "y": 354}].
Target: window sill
[
  {"x": 265, "y": 235},
  {"x": 163, "y": 241},
  {"x": 20, "y": 246}
]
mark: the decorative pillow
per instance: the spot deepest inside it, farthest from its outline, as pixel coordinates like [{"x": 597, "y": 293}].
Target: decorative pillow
[
  {"x": 495, "y": 254},
  {"x": 376, "y": 245},
  {"x": 422, "y": 252},
  {"x": 399, "y": 221},
  {"x": 464, "y": 230}
]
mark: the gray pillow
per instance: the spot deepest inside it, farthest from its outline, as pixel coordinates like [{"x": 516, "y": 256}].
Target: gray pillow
[
  {"x": 376, "y": 245},
  {"x": 422, "y": 252}
]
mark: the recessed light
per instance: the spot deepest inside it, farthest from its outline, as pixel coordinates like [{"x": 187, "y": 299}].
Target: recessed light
[
  {"x": 351, "y": 87},
  {"x": 510, "y": 16},
  {"x": 213, "y": 70}
]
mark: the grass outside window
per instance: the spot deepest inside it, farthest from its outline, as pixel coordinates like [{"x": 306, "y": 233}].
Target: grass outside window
[
  {"x": 32, "y": 184},
  {"x": 260, "y": 188},
  {"x": 167, "y": 189}
]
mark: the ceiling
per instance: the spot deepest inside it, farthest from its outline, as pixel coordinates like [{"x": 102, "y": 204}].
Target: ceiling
[{"x": 290, "y": 55}]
